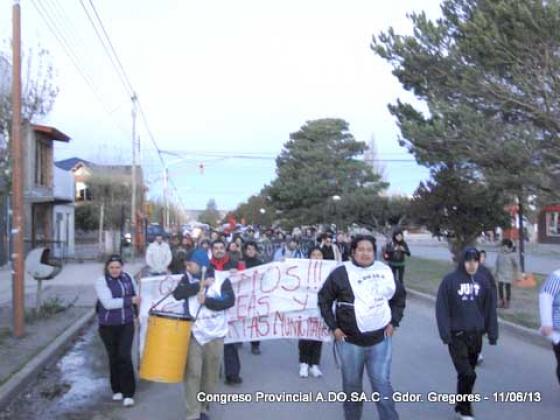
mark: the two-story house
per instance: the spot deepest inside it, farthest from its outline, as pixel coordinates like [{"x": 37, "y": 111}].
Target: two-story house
[
  {"x": 117, "y": 200},
  {"x": 40, "y": 194}
]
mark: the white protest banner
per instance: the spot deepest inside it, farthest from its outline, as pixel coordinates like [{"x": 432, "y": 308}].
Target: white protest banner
[
  {"x": 278, "y": 300},
  {"x": 152, "y": 290},
  {"x": 275, "y": 300}
]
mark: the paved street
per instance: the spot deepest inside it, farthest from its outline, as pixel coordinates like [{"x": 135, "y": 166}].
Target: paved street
[
  {"x": 534, "y": 263},
  {"x": 421, "y": 364}
]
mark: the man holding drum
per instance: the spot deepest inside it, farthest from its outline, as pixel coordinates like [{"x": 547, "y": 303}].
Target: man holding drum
[{"x": 206, "y": 301}]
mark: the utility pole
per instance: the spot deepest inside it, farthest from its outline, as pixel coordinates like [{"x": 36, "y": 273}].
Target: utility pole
[
  {"x": 521, "y": 232},
  {"x": 166, "y": 194},
  {"x": 133, "y": 198},
  {"x": 18, "y": 296}
]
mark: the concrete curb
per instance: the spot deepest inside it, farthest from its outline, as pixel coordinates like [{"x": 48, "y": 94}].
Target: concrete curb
[
  {"x": 21, "y": 378},
  {"x": 518, "y": 330}
]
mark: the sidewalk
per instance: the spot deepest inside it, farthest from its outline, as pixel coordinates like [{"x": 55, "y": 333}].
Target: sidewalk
[{"x": 74, "y": 286}]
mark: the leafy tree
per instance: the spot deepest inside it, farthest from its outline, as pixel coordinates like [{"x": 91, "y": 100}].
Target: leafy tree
[
  {"x": 256, "y": 210},
  {"x": 114, "y": 193},
  {"x": 319, "y": 162},
  {"x": 210, "y": 215},
  {"x": 39, "y": 92},
  {"x": 381, "y": 213},
  {"x": 459, "y": 209},
  {"x": 488, "y": 72}
]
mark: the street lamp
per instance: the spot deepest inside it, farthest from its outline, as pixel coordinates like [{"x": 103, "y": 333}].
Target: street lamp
[
  {"x": 262, "y": 212},
  {"x": 336, "y": 198}
]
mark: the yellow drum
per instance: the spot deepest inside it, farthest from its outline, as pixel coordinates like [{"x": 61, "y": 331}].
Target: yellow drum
[{"x": 166, "y": 347}]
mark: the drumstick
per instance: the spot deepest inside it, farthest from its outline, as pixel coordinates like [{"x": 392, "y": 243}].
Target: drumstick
[{"x": 201, "y": 291}]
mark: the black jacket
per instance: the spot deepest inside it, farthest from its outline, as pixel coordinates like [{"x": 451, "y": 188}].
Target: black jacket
[
  {"x": 187, "y": 288},
  {"x": 394, "y": 256},
  {"x": 337, "y": 289},
  {"x": 466, "y": 303},
  {"x": 252, "y": 262},
  {"x": 328, "y": 252}
]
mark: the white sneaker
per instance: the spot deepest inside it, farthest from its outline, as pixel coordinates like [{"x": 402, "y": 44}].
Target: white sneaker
[
  {"x": 303, "y": 370},
  {"x": 118, "y": 396},
  {"x": 315, "y": 371},
  {"x": 128, "y": 402},
  {"x": 480, "y": 359}
]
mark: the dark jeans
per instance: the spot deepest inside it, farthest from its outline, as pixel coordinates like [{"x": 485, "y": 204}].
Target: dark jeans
[
  {"x": 118, "y": 343},
  {"x": 310, "y": 351},
  {"x": 464, "y": 350},
  {"x": 556, "y": 349},
  {"x": 232, "y": 365},
  {"x": 398, "y": 273},
  {"x": 507, "y": 287}
]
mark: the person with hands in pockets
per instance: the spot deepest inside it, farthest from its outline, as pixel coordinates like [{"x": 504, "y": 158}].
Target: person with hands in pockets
[
  {"x": 465, "y": 311},
  {"x": 369, "y": 305}
]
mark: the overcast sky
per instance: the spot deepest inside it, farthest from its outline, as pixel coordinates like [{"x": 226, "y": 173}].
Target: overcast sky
[{"x": 219, "y": 77}]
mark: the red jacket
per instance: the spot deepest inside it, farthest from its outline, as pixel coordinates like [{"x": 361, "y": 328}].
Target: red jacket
[{"x": 225, "y": 263}]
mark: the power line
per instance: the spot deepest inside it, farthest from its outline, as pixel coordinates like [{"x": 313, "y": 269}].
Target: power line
[
  {"x": 121, "y": 72},
  {"x": 127, "y": 80},
  {"x": 52, "y": 26},
  {"x": 128, "y": 92},
  {"x": 258, "y": 156}
]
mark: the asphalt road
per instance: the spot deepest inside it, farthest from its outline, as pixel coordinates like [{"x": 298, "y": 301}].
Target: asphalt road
[
  {"x": 78, "y": 388},
  {"x": 543, "y": 264}
]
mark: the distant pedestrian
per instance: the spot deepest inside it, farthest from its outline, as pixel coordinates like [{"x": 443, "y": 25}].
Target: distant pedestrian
[
  {"x": 395, "y": 253},
  {"x": 330, "y": 251},
  {"x": 485, "y": 271},
  {"x": 117, "y": 298},
  {"x": 465, "y": 311},
  {"x": 252, "y": 260},
  {"x": 288, "y": 250},
  {"x": 158, "y": 256},
  {"x": 234, "y": 252},
  {"x": 549, "y": 306},
  {"x": 343, "y": 246},
  {"x": 179, "y": 254},
  {"x": 507, "y": 271},
  {"x": 310, "y": 350}
]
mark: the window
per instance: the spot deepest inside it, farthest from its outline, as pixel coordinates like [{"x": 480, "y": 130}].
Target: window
[
  {"x": 42, "y": 166},
  {"x": 83, "y": 193},
  {"x": 553, "y": 223}
]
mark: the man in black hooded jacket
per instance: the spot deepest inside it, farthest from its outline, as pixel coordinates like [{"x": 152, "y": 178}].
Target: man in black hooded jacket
[{"x": 465, "y": 311}]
